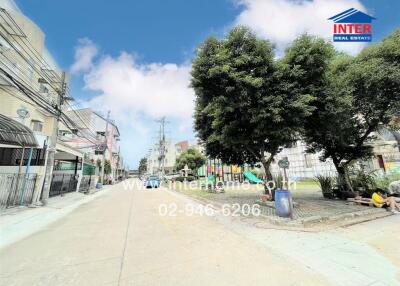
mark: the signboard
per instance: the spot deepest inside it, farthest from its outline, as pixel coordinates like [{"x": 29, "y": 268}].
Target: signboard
[{"x": 283, "y": 163}]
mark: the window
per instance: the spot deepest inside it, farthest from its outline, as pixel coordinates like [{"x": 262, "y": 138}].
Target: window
[
  {"x": 99, "y": 135},
  {"x": 36, "y": 126}
]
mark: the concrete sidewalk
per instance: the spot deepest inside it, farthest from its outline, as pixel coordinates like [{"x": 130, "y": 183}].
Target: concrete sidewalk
[{"x": 19, "y": 222}]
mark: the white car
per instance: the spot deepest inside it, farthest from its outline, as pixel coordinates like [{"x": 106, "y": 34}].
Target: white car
[{"x": 171, "y": 176}]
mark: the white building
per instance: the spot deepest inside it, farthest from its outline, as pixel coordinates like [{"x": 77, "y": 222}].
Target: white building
[{"x": 172, "y": 151}]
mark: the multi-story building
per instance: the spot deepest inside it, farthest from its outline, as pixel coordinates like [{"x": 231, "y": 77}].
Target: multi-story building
[
  {"x": 30, "y": 84},
  {"x": 172, "y": 152},
  {"x": 94, "y": 124}
]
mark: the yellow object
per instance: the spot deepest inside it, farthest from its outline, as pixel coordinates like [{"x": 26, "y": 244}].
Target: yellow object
[{"x": 377, "y": 200}]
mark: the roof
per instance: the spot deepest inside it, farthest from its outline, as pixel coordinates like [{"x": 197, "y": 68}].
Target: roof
[
  {"x": 86, "y": 112},
  {"x": 109, "y": 121},
  {"x": 14, "y": 133},
  {"x": 352, "y": 16}
]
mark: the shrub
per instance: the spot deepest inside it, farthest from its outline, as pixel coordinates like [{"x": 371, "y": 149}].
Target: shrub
[
  {"x": 384, "y": 181},
  {"x": 363, "y": 181},
  {"x": 182, "y": 179},
  {"x": 326, "y": 183},
  {"x": 278, "y": 180}
]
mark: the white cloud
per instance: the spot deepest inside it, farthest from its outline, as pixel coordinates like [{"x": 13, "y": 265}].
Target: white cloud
[
  {"x": 85, "y": 52},
  {"x": 136, "y": 94},
  {"x": 151, "y": 90},
  {"x": 281, "y": 21}
]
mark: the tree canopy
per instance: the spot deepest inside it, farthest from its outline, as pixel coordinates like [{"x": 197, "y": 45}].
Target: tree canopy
[
  {"x": 250, "y": 105},
  {"x": 355, "y": 96},
  {"x": 245, "y": 111},
  {"x": 142, "y": 166},
  {"x": 192, "y": 158}
]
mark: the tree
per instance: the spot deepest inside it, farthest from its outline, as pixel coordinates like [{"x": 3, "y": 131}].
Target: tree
[
  {"x": 107, "y": 166},
  {"x": 354, "y": 97},
  {"x": 244, "y": 111},
  {"x": 142, "y": 166},
  {"x": 192, "y": 158}
]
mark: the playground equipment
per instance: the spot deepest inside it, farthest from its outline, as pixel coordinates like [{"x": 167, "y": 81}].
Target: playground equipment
[{"x": 252, "y": 178}]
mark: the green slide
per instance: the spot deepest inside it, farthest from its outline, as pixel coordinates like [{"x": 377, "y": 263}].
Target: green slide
[{"x": 252, "y": 178}]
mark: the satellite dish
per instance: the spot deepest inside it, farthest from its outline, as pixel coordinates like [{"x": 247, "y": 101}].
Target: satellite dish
[{"x": 23, "y": 113}]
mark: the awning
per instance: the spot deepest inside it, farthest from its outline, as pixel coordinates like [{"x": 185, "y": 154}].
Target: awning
[{"x": 14, "y": 133}]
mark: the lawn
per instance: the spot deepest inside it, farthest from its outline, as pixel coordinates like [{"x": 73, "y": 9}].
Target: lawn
[{"x": 236, "y": 191}]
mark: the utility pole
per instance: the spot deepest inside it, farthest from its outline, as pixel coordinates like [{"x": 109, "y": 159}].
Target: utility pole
[
  {"x": 162, "y": 147},
  {"x": 51, "y": 150},
  {"x": 119, "y": 149},
  {"x": 105, "y": 149}
]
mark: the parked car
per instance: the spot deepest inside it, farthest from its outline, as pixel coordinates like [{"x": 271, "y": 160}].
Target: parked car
[
  {"x": 152, "y": 182},
  {"x": 171, "y": 176}
]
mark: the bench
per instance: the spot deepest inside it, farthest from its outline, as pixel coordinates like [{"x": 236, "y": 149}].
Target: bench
[{"x": 363, "y": 201}]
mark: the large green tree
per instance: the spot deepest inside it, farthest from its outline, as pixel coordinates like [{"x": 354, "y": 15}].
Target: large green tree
[
  {"x": 245, "y": 112},
  {"x": 192, "y": 158},
  {"x": 142, "y": 166},
  {"x": 355, "y": 96}
]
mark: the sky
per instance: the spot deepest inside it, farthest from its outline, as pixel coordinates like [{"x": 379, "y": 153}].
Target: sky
[{"x": 134, "y": 57}]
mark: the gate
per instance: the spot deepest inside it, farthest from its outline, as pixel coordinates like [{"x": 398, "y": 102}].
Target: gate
[
  {"x": 17, "y": 189},
  {"x": 85, "y": 183},
  {"x": 62, "y": 183}
]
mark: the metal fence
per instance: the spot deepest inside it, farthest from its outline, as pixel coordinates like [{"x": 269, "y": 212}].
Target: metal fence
[
  {"x": 63, "y": 183},
  {"x": 16, "y": 189},
  {"x": 86, "y": 182}
]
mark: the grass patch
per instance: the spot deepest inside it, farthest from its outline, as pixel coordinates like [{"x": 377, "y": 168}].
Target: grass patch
[{"x": 312, "y": 185}]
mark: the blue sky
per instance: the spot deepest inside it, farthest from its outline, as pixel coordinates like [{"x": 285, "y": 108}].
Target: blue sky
[{"x": 158, "y": 39}]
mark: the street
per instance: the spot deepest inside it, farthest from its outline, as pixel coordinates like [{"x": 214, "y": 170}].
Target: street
[{"x": 121, "y": 239}]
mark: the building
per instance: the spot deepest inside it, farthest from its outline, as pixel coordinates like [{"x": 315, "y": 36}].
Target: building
[
  {"x": 94, "y": 146},
  {"x": 172, "y": 151},
  {"x": 30, "y": 81}
]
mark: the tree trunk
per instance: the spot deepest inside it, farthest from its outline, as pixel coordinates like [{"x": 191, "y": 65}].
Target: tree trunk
[
  {"x": 268, "y": 175},
  {"x": 343, "y": 178}
]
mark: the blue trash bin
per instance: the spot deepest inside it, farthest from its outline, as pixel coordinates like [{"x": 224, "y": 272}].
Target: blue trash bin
[{"x": 283, "y": 203}]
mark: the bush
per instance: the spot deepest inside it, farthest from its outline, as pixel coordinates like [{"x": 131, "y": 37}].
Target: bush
[
  {"x": 326, "y": 183},
  {"x": 362, "y": 181},
  {"x": 384, "y": 181},
  {"x": 278, "y": 180},
  {"x": 182, "y": 178}
]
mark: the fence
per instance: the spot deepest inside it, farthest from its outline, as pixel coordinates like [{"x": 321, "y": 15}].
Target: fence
[
  {"x": 16, "y": 189},
  {"x": 63, "y": 183},
  {"x": 86, "y": 182}
]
